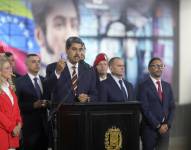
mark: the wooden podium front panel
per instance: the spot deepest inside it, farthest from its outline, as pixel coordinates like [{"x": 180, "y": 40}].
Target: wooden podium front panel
[
  {"x": 126, "y": 122},
  {"x": 69, "y": 130},
  {"x": 85, "y": 126}
]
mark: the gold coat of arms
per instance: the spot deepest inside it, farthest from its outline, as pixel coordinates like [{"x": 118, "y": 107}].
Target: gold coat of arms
[{"x": 113, "y": 139}]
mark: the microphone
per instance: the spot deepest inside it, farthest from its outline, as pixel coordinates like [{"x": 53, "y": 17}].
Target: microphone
[{"x": 63, "y": 56}]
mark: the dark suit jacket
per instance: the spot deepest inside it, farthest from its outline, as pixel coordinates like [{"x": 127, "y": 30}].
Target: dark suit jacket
[
  {"x": 62, "y": 87},
  {"x": 98, "y": 82},
  {"x": 110, "y": 91},
  {"x": 34, "y": 120},
  {"x": 152, "y": 108},
  {"x": 52, "y": 67}
]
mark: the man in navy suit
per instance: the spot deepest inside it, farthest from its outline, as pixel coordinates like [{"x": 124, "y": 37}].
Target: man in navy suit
[
  {"x": 51, "y": 67},
  {"x": 115, "y": 88},
  {"x": 157, "y": 105},
  {"x": 72, "y": 81},
  {"x": 31, "y": 93}
]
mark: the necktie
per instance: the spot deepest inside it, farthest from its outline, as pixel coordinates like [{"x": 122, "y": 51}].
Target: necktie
[
  {"x": 74, "y": 80},
  {"x": 159, "y": 91},
  {"x": 37, "y": 88},
  {"x": 123, "y": 90}
]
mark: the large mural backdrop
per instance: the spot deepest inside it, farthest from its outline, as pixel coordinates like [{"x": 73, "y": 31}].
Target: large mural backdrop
[{"x": 134, "y": 30}]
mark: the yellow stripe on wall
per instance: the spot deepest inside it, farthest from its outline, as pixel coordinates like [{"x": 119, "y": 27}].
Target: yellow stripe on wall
[{"x": 15, "y": 7}]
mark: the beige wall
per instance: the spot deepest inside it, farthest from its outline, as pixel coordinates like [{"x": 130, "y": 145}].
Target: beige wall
[{"x": 185, "y": 52}]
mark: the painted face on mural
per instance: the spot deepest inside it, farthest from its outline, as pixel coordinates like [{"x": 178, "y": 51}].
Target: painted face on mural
[{"x": 61, "y": 22}]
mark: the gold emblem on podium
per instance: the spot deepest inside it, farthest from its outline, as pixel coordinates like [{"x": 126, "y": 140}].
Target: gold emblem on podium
[{"x": 113, "y": 139}]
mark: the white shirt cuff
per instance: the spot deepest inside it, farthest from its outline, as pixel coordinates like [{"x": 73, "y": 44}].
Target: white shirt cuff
[{"x": 57, "y": 75}]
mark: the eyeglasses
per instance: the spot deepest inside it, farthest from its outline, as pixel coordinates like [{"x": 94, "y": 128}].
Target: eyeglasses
[{"x": 161, "y": 66}]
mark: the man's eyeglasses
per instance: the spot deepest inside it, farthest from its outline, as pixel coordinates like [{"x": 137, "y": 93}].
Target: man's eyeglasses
[{"x": 158, "y": 66}]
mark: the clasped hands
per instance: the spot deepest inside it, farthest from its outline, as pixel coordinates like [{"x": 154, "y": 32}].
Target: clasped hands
[
  {"x": 83, "y": 98},
  {"x": 40, "y": 104},
  {"x": 163, "y": 129}
]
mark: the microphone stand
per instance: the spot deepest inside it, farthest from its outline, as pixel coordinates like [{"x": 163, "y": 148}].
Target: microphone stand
[{"x": 53, "y": 118}]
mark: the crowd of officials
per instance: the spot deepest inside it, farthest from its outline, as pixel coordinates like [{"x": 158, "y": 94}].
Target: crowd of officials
[{"x": 25, "y": 100}]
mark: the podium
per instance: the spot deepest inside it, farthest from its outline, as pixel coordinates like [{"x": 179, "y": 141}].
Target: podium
[{"x": 100, "y": 126}]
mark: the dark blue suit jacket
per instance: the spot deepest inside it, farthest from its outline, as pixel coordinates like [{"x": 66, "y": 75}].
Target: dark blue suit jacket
[
  {"x": 26, "y": 93},
  {"x": 34, "y": 120},
  {"x": 52, "y": 67},
  {"x": 110, "y": 91},
  {"x": 154, "y": 111},
  {"x": 62, "y": 88}
]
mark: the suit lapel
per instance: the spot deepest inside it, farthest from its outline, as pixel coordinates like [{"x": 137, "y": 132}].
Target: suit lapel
[
  {"x": 66, "y": 77},
  {"x": 14, "y": 98},
  {"x": 42, "y": 80},
  {"x": 81, "y": 71},
  {"x": 4, "y": 96},
  {"x": 164, "y": 92},
  {"x": 67, "y": 73},
  {"x": 127, "y": 87},
  {"x": 153, "y": 89},
  {"x": 30, "y": 85},
  {"x": 116, "y": 86}
]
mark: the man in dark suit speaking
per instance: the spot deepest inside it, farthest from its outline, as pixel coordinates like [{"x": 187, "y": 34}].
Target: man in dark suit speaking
[
  {"x": 72, "y": 81},
  {"x": 157, "y": 105},
  {"x": 51, "y": 67},
  {"x": 115, "y": 88}
]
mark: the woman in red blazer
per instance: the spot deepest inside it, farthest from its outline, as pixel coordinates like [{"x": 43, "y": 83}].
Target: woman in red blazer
[{"x": 10, "y": 119}]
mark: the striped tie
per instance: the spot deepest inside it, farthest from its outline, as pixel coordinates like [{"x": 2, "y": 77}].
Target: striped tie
[{"x": 74, "y": 80}]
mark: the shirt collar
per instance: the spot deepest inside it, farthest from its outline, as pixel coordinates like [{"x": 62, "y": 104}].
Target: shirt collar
[
  {"x": 155, "y": 80},
  {"x": 70, "y": 65},
  {"x": 116, "y": 78},
  {"x": 104, "y": 78},
  {"x": 31, "y": 76}
]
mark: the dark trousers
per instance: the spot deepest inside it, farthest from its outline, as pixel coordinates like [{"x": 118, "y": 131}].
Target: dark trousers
[
  {"x": 152, "y": 140},
  {"x": 35, "y": 141}
]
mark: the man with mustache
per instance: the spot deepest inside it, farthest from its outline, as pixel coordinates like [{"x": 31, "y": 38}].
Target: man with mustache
[{"x": 72, "y": 81}]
